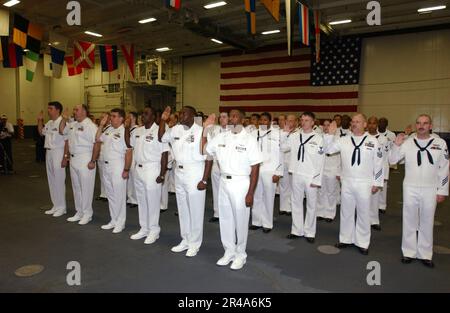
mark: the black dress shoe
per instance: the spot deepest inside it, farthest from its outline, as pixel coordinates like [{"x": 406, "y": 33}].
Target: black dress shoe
[
  {"x": 253, "y": 227},
  {"x": 283, "y": 213},
  {"x": 428, "y": 263},
  {"x": 288, "y": 213},
  {"x": 376, "y": 227},
  {"x": 310, "y": 239},
  {"x": 406, "y": 260},
  {"x": 162, "y": 211},
  {"x": 214, "y": 220},
  {"x": 363, "y": 251},
  {"x": 319, "y": 218},
  {"x": 132, "y": 206},
  {"x": 342, "y": 245},
  {"x": 266, "y": 230},
  {"x": 382, "y": 211},
  {"x": 329, "y": 220},
  {"x": 292, "y": 236}
]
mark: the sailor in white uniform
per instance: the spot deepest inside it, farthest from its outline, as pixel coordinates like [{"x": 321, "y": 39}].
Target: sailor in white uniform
[
  {"x": 131, "y": 191},
  {"x": 426, "y": 184},
  {"x": 54, "y": 146},
  {"x": 372, "y": 128},
  {"x": 151, "y": 166},
  {"x": 190, "y": 179},
  {"x": 362, "y": 176},
  {"x": 270, "y": 171},
  {"x": 79, "y": 147},
  {"x": 101, "y": 166},
  {"x": 239, "y": 157},
  {"x": 329, "y": 192},
  {"x": 306, "y": 167},
  {"x": 286, "y": 180},
  {"x": 390, "y": 136},
  {"x": 117, "y": 157},
  {"x": 215, "y": 175}
]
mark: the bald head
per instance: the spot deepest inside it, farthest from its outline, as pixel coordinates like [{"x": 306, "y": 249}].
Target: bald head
[{"x": 359, "y": 124}]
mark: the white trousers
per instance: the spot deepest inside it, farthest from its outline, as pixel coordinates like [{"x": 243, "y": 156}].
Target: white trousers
[
  {"x": 301, "y": 186},
  {"x": 101, "y": 165},
  {"x": 215, "y": 179},
  {"x": 165, "y": 192},
  {"x": 374, "y": 207},
  {"x": 131, "y": 191},
  {"x": 148, "y": 193},
  {"x": 382, "y": 205},
  {"x": 419, "y": 206},
  {"x": 191, "y": 203},
  {"x": 328, "y": 197},
  {"x": 56, "y": 177},
  {"x": 234, "y": 215},
  {"x": 116, "y": 191},
  {"x": 285, "y": 191},
  {"x": 172, "y": 178},
  {"x": 262, "y": 211},
  {"x": 83, "y": 183},
  {"x": 356, "y": 196}
]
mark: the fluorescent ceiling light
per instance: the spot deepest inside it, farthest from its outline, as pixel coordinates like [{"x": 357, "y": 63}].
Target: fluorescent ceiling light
[
  {"x": 11, "y": 3},
  {"x": 215, "y": 5},
  {"x": 26, "y": 50},
  {"x": 340, "y": 22},
  {"x": 426, "y": 10},
  {"x": 93, "y": 34},
  {"x": 148, "y": 20},
  {"x": 269, "y": 32},
  {"x": 216, "y": 41},
  {"x": 163, "y": 49}
]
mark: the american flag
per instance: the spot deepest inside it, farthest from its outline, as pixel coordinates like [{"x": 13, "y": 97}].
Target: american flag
[{"x": 269, "y": 80}]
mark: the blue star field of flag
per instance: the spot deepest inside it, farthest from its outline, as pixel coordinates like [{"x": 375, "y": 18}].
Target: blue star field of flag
[{"x": 340, "y": 61}]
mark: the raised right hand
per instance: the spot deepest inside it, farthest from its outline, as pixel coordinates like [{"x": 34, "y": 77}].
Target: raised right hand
[{"x": 166, "y": 114}]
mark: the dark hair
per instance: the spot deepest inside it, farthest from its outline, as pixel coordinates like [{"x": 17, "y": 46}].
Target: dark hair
[
  {"x": 337, "y": 116},
  {"x": 120, "y": 111},
  {"x": 151, "y": 109},
  {"x": 256, "y": 115},
  {"x": 327, "y": 120},
  {"x": 267, "y": 114},
  {"x": 193, "y": 110},
  {"x": 310, "y": 114},
  {"x": 135, "y": 115},
  {"x": 57, "y": 105}
]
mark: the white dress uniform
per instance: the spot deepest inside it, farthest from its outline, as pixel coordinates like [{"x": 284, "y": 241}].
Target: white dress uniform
[
  {"x": 101, "y": 165},
  {"x": 362, "y": 168},
  {"x": 215, "y": 173},
  {"x": 236, "y": 154},
  {"x": 54, "y": 144},
  {"x": 426, "y": 176},
  {"x": 390, "y": 136},
  {"x": 340, "y": 134},
  {"x": 147, "y": 153},
  {"x": 131, "y": 191},
  {"x": 377, "y": 198},
  {"x": 168, "y": 182},
  {"x": 114, "y": 150},
  {"x": 188, "y": 173},
  {"x": 328, "y": 194},
  {"x": 81, "y": 138},
  {"x": 171, "y": 169},
  {"x": 269, "y": 145},
  {"x": 306, "y": 166},
  {"x": 286, "y": 180}
]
